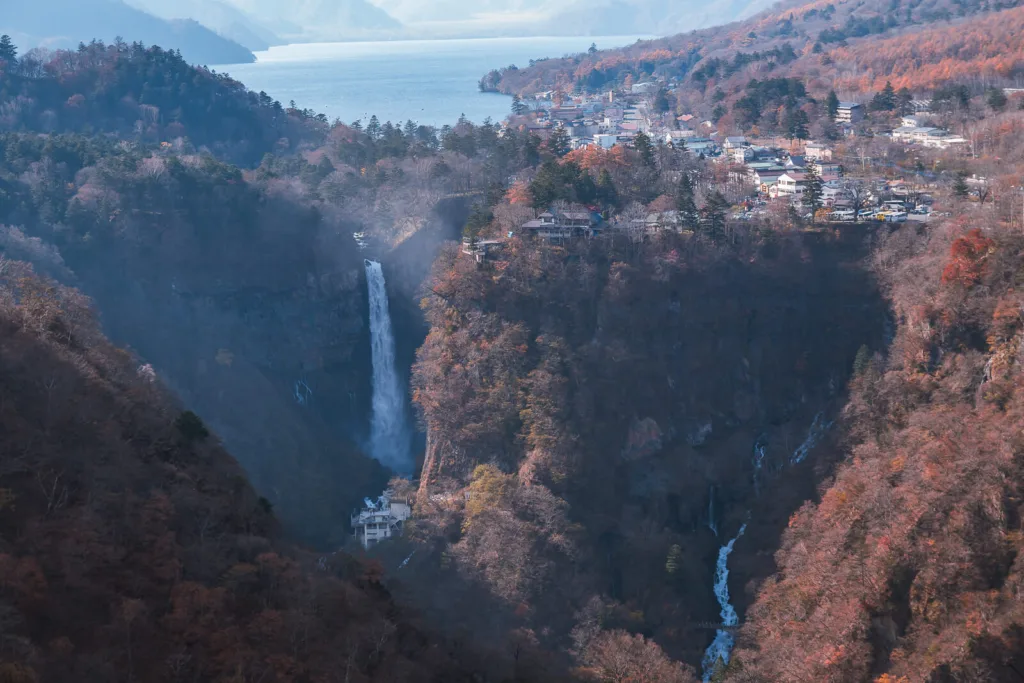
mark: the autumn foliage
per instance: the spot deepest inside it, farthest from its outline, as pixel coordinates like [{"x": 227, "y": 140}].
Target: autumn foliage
[
  {"x": 986, "y": 46},
  {"x": 967, "y": 259},
  {"x": 909, "y": 567},
  {"x": 130, "y": 550}
]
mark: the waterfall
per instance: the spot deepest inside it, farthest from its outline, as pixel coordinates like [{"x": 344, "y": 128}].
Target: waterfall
[
  {"x": 711, "y": 512},
  {"x": 814, "y": 434},
  {"x": 389, "y": 434},
  {"x": 724, "y": 640},
  {"x": 760, "y": 451}
]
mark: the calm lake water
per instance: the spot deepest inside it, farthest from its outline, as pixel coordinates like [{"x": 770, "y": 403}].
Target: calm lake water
[{"x": 431, "y": 82}]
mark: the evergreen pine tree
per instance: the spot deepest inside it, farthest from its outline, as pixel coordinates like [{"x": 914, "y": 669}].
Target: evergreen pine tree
[
  {"x": 559, "y": 143},
  {"x": 685, "y": 204},
  {"x": 832, "y": 105},
  {"x": 812, "y": 196},
  {"x": 643, "y": 146},
  {"x": 960, "y": 188},
  {"x": 373, "y": 127},
  {"x": 713, "y": 215},
  {"x": 904, "y": 101},
  {"x": 8, "y": 53},
  {"x": 885, "y": 100},
  {"x": 607, "y": 194},
  {"x": 798, "y": 123},
  {"x": 518, "y": 106},
  {"x": 996, "y": 98},
  {"x": 661, "y": 103}
]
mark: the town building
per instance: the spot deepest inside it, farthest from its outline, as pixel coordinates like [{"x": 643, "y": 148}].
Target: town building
[
  {"x": 816, "y": 151},
  {"x": 379, "y": 519},
  {"x": 792, "y": 183},
  {"x": 734, "y": 142},
  {"x": 705, "y": 146},
  {"x": 850, "y": 112},
  {"x": 644, "y": 88},
  {"x": 482, "y": 250},
  {"x": 827, "y": 169},
  {"x": 558, "y": 226}
]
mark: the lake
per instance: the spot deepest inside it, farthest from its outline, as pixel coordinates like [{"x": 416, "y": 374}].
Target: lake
[{"x": 431, "y": 82}]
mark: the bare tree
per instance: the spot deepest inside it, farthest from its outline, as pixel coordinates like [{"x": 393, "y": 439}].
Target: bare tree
[{"x": 633, "y": 222}]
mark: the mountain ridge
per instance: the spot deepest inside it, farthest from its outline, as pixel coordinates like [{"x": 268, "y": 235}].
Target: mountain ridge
[{"x": 66, "y": 23}]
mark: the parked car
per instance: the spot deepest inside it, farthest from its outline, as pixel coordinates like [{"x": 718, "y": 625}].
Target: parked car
[{"x": 867, "y": 214}]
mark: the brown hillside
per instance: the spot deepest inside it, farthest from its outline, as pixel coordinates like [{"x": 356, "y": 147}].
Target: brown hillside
[{"x": 131, "y": 545}]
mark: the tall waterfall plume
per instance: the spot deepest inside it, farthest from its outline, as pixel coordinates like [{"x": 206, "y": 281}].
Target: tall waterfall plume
[{"x": 389, "y": 432}]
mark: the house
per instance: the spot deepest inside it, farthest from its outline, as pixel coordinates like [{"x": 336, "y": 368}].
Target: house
[
  {"x": 678, "y": 136},
  {"x": 816, "y": 151},
  {"x": 945, "y": 141},
  {"x": 705, "y": 146},
  {"x": 740, "y": 155},
  {"x": 830, "y": 194},
  {"x": 734, "y": 142},
  {"x": 644, "y": 88},
  {"x": 482, "y": 250},
  {"x": 827, "y": 169},
  {"x": 849, "y": 112},
  {"x": 666, "y": 220},
  {"x": 766, "y": 180},
  {"x": 792, "y": 183},
  {"x": 917, "y": 134},
  {"x": 913, "y": 120},
  {"x": 379, "y": 520},
  {"x": 558, "y": 226},
  {"x": 566, "y": 113},
  {"x": 796, "y": 162}
]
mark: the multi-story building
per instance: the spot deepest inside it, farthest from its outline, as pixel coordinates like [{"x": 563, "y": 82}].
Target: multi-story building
[
  {"x": 849, "y": 112},
  {"x": 792, "y": 183},
  {"x": 379, "y": 519}
]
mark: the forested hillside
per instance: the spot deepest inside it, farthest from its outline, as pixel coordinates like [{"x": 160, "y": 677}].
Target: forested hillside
[
  {"x": 65, "y": 24},
  {"x": 240, "y": 284},
  {"x": 131, "y": 545},
  {"x": 609, "y": 398},
  {"x": 146, "y": 95},
  {"x": 847, "y": 46},
  {"x": 910, "y": 567},
  {"x": 662, "y": 407}
]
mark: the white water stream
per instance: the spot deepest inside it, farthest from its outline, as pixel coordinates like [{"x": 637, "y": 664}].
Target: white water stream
[
  {"x": 721, "y": 646},
  {"x": 389, "y": 432},
  {"x": 724, "y": 640}
]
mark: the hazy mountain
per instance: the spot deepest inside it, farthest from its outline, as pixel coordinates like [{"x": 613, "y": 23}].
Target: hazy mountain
[
  {"x": 572, "y": 17},
  {"x": 225, "y": 19},
  {"x": 309, "y": 20},
  {"x": 65, "y": 23}
]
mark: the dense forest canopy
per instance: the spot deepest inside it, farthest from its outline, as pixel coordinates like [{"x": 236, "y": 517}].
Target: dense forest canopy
[{"x": 690, "y": 374}]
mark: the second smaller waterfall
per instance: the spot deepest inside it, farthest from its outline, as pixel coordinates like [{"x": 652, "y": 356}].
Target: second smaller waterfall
[{"x": 721, "y": 647}]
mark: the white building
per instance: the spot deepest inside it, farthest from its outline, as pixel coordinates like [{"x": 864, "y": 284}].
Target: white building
[
  {"x": 815, "y": 151},
  {"x": 792, "y": 183},
  {"x": 849, "y": 112},
  {"x": 379, "y": 520}
]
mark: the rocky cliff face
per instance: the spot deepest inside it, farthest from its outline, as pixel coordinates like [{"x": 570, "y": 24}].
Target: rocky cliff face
[{"x": 634, "y": 386}]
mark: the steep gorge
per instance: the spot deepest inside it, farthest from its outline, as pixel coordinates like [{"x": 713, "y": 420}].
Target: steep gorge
[{"x": 604, "y": 391}]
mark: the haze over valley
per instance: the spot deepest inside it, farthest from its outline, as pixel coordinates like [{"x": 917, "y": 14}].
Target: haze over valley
[{"x": 339, "y": 346}]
